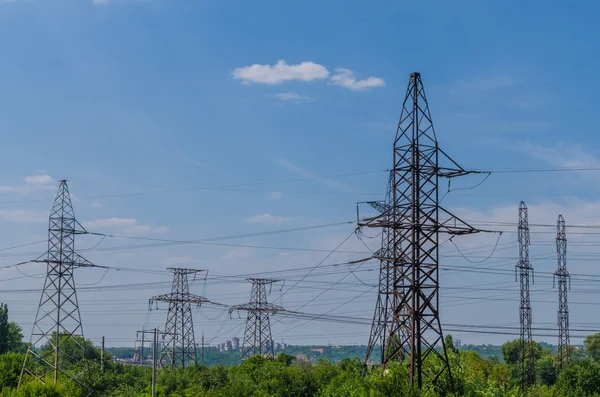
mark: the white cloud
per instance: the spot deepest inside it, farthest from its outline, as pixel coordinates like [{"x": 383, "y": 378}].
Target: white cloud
[
  {"x": 291, "y": 96},
  {"x": 275, "y": 196},
  {"x": 39, "y": 180},
  {"x": 96, "y": 204},
  {"x": 280, "y": 72},
  {"x": 146, "y": 229},
  {"x": 345, "y": 78},
  {"x": 23, "y": 216},
  {"x": 110, "y": 222},
  {"x": 33, "y": 183},
  {"x": 266, "y": 218},
  {"x": 561, "y": 155}
]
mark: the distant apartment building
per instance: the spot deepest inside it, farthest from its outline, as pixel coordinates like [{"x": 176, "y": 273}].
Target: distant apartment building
[{"x": 235, "y": 343}]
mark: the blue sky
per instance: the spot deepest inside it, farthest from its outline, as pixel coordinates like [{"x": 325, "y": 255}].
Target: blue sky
[{"x": 161, "y": 97}]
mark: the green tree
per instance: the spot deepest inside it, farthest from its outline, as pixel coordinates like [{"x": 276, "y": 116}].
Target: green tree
[
  {"x": 450, "y": 344},
  {"x": 15, "y": 338},
  {"x": 3, "y": 328},
  {"x": 592, "y": 346},
  {"x": 545, "y": 370}
]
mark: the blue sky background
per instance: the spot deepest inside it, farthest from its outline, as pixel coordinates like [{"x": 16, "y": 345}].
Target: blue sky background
[{"x": 128, "y": 96}]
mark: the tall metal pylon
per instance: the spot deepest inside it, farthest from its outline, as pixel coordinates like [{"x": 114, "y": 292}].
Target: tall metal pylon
[
  {"x": 562, "y": 274},
  {"x": 525, "y": 271},
  {"x": 382, "y": 318},
  {"x": 414, "y": 219},
  {"x": 56, "y": 344},
  {"x": 178, "y": 342},
  {"x": 257, "y": 335}
]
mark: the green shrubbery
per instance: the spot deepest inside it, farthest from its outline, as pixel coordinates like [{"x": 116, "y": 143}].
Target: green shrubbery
[{"x": 473, "y": 376}]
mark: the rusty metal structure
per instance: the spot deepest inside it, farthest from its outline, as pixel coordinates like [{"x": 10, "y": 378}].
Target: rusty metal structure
[
  {"x": 178, "y": 342},
  {"x": 525, "y": 273},
  {"x": 562, "y": 274},
  {"x": 406, "y": 322},
  {"x": 257, "y": 335},
  {"x": 56, "y": 347}
]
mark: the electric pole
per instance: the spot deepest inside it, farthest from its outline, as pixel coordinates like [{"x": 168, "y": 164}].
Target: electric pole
[
  {"x": 102, "y": 355},
  {"x": 178, "y": 344},
  {"x": 257, "y": 336},
  {"x": 412, "y": 219},
  {"x": 564, "y": 348},
  {"x": 58, "y": 321},
  {"x": 525, "y": 271},
  {"x": 154, "y": 351}
]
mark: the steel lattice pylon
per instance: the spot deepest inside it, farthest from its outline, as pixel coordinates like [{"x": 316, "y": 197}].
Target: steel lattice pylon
[
  {"x": 564, "y": 347},
  {"x": 178, "y": 342},
  {"x": 257, "y": 335},
  {"x": 382, "y": 317},
  {"x": 57, "y": 324},
  {"x": 525, "y": 271},
  {"x": 410, "y": 253}
]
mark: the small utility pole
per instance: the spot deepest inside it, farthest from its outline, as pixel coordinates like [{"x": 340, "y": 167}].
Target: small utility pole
[
  {"x": 142, "y": 349},
  {"x": 102, "y": 355},
  {"x": 154, "y": 348},
  {"x": 202, "y": 355}
]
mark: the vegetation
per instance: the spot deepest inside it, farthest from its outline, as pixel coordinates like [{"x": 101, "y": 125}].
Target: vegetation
[{"x": 289, "y": 376}]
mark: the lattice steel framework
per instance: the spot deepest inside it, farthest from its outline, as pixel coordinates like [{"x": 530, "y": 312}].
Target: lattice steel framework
[
  {"x": 414, "y": 219},
  {"x": 562, "y": 274},
  {"x": 178, "y": 343},
  {"x": 57, "y": 325},
  {"x": 525, "y": 272},
  {"x": 382, "y": 318},
  {"x": 257, "y": 335}
]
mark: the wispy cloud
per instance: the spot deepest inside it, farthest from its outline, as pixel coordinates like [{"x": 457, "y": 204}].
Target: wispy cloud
[
  {"x": 39, "y": 180},
  {"x": 23, "y": 216},
  {"x": 110, "y": 222},
  {"x": 266, "y": 219},
  {"x": 128, "y": 225},
  {"x": 561, "y": 155},
  {"x": 33, "y": 183},
  {"x": 332, "y": 183},
  {"x": 275, "y": 196},
  {"x": 280, "y": 72},
  {"x": 345, "y": 78},
  {"x": 292, "y": 96}
]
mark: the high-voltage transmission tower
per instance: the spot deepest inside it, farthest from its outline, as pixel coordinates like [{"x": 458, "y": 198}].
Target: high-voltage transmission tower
[
  {"x": 178, "y": 342},
  {"x": 525, "y": 271},
  {"x": 412, "y": 220},
  {"x": 564, "y": 348},
  {"x": 56, "y": 344},
  {"x": 382, "y": 318},
  {"x": 257, "y": 335}
]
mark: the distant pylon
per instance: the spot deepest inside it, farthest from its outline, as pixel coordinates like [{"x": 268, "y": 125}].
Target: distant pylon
[
  {"x": 562, "y": 274},
  {"x": 178, "y": 342},
  {"x": 411, "y": 251},
  {"x": 257, "y": 336},
  {"x": 382, "y": 318},
  {"x": 525, "y": 270},
  {"x": 58, "y": 321}
]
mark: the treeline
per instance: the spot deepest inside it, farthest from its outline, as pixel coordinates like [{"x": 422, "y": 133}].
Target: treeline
[{"x": 288, "y": 376}]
